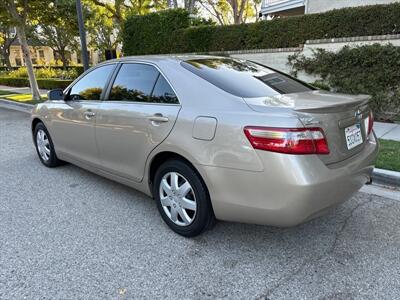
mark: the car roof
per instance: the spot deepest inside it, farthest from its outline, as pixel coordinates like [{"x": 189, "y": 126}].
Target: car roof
[{"x": 161, "y": 58}]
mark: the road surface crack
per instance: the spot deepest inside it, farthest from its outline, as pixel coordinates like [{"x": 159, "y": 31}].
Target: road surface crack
[{"x": 285, "y": 279}]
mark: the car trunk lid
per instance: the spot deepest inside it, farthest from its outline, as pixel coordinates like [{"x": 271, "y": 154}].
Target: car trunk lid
[{"x": 343, "y": 118}]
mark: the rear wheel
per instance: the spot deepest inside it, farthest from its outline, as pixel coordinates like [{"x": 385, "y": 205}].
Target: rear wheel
[
  {"x": 44, "y": 147},
  {"x": 182, "y": 198}
]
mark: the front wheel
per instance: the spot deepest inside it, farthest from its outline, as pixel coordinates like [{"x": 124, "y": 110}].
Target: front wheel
[
  {"x": 44, "y": 146},
  {"x": 182, "y": 198}
]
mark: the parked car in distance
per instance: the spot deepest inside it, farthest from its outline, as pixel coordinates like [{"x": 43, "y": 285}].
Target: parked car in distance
[{"x": 211, "y": 138}]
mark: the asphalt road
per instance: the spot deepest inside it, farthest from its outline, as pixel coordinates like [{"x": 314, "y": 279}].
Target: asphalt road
[{"x": 68, "y": 234}]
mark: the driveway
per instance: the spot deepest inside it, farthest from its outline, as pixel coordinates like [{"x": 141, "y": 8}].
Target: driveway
[{"x": 68, "y": 234}]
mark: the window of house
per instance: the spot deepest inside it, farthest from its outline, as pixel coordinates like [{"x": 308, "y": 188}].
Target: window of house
[
  {"x": 17, "y": 56},
  {"x": 33, "y": 56}
]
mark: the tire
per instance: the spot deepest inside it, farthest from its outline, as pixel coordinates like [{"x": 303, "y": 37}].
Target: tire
[
  {"x": 187, "y": 221},
  {"x": 44, "y": 147}
]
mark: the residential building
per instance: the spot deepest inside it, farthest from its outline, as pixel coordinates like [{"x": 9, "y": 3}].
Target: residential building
[
  {"x": 285, "y": 8},
  {"x": 44, "y": 55}
]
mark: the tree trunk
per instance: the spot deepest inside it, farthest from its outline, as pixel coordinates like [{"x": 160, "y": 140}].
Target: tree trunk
[
  {"x": 235, "y": 9},
  {"x": 6, "y": 56},
  {"x": 64, "y": 59},
  {"x": 27, "y": 56},
  {"x": 7, "y": 61}
]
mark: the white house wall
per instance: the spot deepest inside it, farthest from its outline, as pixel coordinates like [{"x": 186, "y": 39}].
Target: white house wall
[{"x": 316, "y": 6}]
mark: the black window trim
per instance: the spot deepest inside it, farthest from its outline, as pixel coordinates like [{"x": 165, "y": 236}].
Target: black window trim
[
  {"x": 287, "y": 75},
  {"x": 68, "y": 89},
  {"x": 114, "y": 76}
]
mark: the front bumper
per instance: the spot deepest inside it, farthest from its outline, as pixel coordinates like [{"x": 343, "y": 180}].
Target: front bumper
[{"x": 290, "y": 190}]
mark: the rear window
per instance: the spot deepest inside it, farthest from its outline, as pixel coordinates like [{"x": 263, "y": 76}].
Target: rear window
[{"x": 243, "y": 78}]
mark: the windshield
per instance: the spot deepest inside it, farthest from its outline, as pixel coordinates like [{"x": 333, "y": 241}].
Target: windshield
[{"x": 243, "y": 78}]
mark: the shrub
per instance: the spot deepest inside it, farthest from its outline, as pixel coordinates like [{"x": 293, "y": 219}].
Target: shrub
[
  {"x": 150, "y": 33},
  {"x": 369, "y": 69},
  {"x": 20, "y": 72},
  {"x": 45, "y": 72},
  {"x": 321, "y": 85},
  {"x": 42, "y": 83},
  {"x": 170, "y": 31}
]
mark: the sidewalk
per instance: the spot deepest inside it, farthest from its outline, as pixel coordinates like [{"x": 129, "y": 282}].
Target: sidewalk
[
  {"x": 387, "y": 131},
  {"x": 20, "y": 90}
]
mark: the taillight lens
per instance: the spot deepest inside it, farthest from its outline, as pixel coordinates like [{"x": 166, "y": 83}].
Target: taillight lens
[
  {"x": 370, "y": 122},
  {"x": 288, "y": 140}
]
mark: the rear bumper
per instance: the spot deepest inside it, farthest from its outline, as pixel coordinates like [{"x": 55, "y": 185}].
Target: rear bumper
[{"x": 290, "y": 190}]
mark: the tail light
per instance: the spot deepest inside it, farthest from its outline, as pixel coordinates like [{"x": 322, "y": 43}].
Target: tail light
[
  {"x": 288, "y": 140},
  {"x": 370, "y": 122}
]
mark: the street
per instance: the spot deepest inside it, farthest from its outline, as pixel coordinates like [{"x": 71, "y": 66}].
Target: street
[{"x": 66, "y": 233}]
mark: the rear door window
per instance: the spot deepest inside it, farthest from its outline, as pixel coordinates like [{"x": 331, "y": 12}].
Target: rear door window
[
  {"x": 163, "y": 92},
  {"x": 243, "y": 78},
  {"x": 134, "y": 82}
]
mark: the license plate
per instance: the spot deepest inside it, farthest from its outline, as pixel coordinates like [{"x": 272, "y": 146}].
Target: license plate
[{"x": 353, "y": 136}]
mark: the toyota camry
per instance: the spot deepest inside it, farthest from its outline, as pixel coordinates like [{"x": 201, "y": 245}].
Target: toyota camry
[{"x": 211, "y": 138}]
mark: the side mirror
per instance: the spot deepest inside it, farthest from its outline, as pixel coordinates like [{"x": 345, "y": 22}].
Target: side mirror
[{"x": 56, "y": 94}]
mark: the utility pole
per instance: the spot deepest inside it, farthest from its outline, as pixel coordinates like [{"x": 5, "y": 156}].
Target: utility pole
[{"x": 82, "y": 33}]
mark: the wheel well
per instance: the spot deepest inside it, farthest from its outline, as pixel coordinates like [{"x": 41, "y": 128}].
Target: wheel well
[
  {"x": 35, "y": 122},
  {"x": 162, "y": 157}
]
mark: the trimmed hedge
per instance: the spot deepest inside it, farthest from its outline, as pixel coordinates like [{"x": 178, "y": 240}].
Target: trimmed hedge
[
  {"x": 42, "y": 83},
  {"x": 152, "y": 33},
  {"x": 79, "y": 69},
  {"x": 149, "y": 33},
  {"x": 369, "y": 69}
]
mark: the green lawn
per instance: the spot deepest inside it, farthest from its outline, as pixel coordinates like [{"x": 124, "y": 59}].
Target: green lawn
[
  {"x": 389, "y": 155},
  {"x": 22, "y": 98}
]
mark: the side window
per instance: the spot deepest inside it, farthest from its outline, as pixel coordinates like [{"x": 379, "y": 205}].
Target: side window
[
  {"x": 163, "y": 92},
  {"x": 91, "y": 85},
  {"x": 134, "y": 82}
]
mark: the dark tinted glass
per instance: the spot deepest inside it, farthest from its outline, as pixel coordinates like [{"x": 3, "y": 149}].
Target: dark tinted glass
[
  {"x": 243, "y": 78},
  {"x": 134, "y": 82},
  {"x": 91, "y": 85},
  {"x": 163, "y": 92}
]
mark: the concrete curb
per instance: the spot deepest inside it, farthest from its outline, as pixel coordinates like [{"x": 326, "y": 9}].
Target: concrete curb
[
  {"x": 379, "y": 176},
  {"x": 23, "y": 107},
  {"x": 386, "y": 177}
]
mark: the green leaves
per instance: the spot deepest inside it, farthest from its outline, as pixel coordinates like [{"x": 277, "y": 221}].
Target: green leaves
[
  {"x": 150, "y": 35},
  {"x": 370, "y": 69}
]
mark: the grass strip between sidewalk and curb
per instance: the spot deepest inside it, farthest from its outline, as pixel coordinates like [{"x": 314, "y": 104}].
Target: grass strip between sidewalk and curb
[
  {"x": 389, "y": 155},
  {"x": 21, "y": 98}
]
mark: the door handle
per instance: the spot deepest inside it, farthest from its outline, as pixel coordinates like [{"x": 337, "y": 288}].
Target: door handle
[
  {"x": 158, "y": 118},
  {"x": 89, "y": 114}
]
